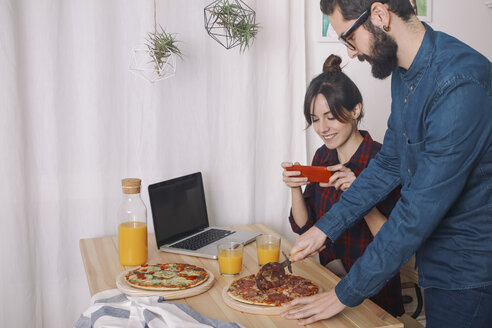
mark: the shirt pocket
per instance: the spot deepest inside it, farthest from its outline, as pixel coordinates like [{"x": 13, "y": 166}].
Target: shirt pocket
[{"x": 414, "y": 152}]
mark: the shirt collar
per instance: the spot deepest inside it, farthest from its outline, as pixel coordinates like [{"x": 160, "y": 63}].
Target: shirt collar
[{"x": 422, "y": 59}]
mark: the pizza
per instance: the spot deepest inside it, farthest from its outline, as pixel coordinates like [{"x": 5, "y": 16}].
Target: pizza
[
  {"x": 245, "y": 290},
  {"x": 167, "y": 276}
]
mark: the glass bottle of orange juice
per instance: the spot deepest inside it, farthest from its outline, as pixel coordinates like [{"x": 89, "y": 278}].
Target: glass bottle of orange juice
[{"x": 132, "y": 230}]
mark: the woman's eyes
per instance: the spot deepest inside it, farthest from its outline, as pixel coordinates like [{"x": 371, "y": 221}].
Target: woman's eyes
[{"x": 330, "y": 118}]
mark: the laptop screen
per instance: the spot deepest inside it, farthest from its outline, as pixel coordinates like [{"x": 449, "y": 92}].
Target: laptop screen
[{"x": 178, "y": 208}]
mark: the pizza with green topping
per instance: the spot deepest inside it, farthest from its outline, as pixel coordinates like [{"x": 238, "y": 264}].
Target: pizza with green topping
[{"x": 166, "y": 276}]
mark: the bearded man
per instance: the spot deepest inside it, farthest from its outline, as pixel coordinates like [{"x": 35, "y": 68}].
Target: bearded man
[{"x": 438, "y": 146}]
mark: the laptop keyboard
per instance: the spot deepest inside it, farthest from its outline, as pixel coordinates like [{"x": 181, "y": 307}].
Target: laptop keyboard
[{"x": 202, "y": 239}]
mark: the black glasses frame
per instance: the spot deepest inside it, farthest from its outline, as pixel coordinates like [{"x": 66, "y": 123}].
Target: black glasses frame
[{"x": 343, "y": 38}]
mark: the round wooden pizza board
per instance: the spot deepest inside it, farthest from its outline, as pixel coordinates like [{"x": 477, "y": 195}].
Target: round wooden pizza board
[
  {"x": 126, "y": 288},
  {"x": 252, "y": 308}
]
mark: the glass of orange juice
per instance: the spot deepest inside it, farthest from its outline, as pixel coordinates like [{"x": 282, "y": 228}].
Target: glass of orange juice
[
  {"x": 268, "y": 249},
  {"x": 230, "y": 256}
]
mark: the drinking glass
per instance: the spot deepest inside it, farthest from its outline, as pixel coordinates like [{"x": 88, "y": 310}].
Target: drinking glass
[
  {"x": 230, "y": 256},
  {"x": 268, "y": 249}
]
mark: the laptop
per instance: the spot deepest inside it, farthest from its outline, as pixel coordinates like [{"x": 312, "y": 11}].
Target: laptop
[{"x": 181, "y": 222}]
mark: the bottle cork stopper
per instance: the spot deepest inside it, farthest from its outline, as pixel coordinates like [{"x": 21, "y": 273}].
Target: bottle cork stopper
[{"x": 131, "y": 185}]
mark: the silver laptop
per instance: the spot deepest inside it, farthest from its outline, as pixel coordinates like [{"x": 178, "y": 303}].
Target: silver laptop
[{"x": 180, "y": 219}]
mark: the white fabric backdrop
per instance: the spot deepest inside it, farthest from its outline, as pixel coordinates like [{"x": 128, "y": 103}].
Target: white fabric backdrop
[{"x": 75, "y": 120}]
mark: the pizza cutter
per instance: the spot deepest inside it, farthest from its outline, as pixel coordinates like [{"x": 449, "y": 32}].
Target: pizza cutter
[{"x": 272, "y": 274}]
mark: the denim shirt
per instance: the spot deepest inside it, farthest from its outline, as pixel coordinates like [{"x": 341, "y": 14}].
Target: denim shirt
[{"x": 438, "y": 146}]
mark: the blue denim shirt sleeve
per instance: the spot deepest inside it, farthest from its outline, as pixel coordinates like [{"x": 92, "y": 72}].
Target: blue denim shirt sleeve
[{"x": 457, "y": 134}]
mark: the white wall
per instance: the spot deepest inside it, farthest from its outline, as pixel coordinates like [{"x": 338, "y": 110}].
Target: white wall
[{"x": 469, "y": 21}]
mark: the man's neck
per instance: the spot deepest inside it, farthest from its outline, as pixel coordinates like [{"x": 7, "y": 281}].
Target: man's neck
[{"x": 409, "y": 36}]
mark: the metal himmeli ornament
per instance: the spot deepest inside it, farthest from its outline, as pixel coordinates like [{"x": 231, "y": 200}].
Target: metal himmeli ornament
[{"x": 227, "y": 22}]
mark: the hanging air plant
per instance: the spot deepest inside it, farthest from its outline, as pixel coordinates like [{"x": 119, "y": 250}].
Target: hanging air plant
[
  {"x": 231, "y": 23},
  {"x": 161, "y": 46},
  {"x": 156, "y": 60}
]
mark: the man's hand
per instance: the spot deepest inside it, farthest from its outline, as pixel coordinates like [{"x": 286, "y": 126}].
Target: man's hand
[
  {"x": 314, "y": 308},
  {"x": 308, "y": 244}
]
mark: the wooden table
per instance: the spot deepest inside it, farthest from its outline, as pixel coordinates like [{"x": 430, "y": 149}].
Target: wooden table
[{"x": 100, "y": 257}]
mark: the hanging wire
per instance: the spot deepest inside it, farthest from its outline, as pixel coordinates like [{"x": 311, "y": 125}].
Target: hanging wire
[{"x": 155, "y": 19}]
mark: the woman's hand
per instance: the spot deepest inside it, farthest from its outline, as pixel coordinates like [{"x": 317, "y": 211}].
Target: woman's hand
[
  {"x": 341, "y": 179},
  {"x": 291, "y": 178}
]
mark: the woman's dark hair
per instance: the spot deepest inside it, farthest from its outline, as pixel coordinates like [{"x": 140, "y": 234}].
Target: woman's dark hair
[
  {"x": 340, "y": 92},
  {"x": 352, "y": 9}
]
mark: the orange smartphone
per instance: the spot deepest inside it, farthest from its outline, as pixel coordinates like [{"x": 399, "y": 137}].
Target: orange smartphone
[{"x": 313, "y": 173}]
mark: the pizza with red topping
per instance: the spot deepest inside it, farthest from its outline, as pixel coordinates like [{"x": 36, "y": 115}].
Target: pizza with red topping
[
  {"x": 166, "y": 276},
  {"x": 245, "y": 290}
]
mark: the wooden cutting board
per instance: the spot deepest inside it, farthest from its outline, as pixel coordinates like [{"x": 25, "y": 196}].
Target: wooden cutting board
[
  {"x": 255, "y": 309},
  {"x": 126, "y": 288}
]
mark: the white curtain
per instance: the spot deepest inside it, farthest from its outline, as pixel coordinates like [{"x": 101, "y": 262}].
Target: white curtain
[{"x": 75, "y": 121}]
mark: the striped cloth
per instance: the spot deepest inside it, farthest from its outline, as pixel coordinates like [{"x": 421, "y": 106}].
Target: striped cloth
[{"x": 111, "y": 308}]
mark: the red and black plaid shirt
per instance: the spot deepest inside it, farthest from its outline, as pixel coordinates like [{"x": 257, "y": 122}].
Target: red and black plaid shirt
[{"x": 352, "y": 243}]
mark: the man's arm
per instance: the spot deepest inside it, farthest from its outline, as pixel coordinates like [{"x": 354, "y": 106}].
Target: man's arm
[{"x": 459, "y": 128}]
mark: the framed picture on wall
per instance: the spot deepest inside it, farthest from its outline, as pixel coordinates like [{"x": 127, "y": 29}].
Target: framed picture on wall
[
  {"x": 324, "y": 30},
  {"x": 423, "y": 8}
]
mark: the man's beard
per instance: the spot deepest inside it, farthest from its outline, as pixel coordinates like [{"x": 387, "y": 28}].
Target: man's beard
[{"x": 383, "y": 53}]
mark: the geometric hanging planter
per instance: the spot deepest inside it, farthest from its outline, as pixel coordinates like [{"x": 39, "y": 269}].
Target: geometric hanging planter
[
  {"x": 156, "y": 60},
  {"x": 231, "y": 23},
  {"x": 146, "y": 64}
]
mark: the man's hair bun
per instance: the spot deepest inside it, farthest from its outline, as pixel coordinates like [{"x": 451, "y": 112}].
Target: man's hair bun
[{"x": 332, "y": 64}]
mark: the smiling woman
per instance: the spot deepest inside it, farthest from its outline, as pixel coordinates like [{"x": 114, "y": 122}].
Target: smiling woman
[{"x": 333, "y": 106}]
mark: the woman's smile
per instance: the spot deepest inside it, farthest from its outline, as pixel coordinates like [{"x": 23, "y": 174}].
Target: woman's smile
[{"x": 329, "y": 136}]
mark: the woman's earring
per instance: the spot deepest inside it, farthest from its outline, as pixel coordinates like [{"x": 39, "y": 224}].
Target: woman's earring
[{"x": 386, "y": 28}]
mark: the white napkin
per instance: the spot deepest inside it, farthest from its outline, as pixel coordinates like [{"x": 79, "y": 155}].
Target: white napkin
[{"x": 111, "y": 308}]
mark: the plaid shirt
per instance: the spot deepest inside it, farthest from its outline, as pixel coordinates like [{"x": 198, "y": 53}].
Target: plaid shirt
[{"x": 352, "y": 243}]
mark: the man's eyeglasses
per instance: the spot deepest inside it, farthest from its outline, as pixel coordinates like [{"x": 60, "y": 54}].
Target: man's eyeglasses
[{"x": 343, "y": 38}]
